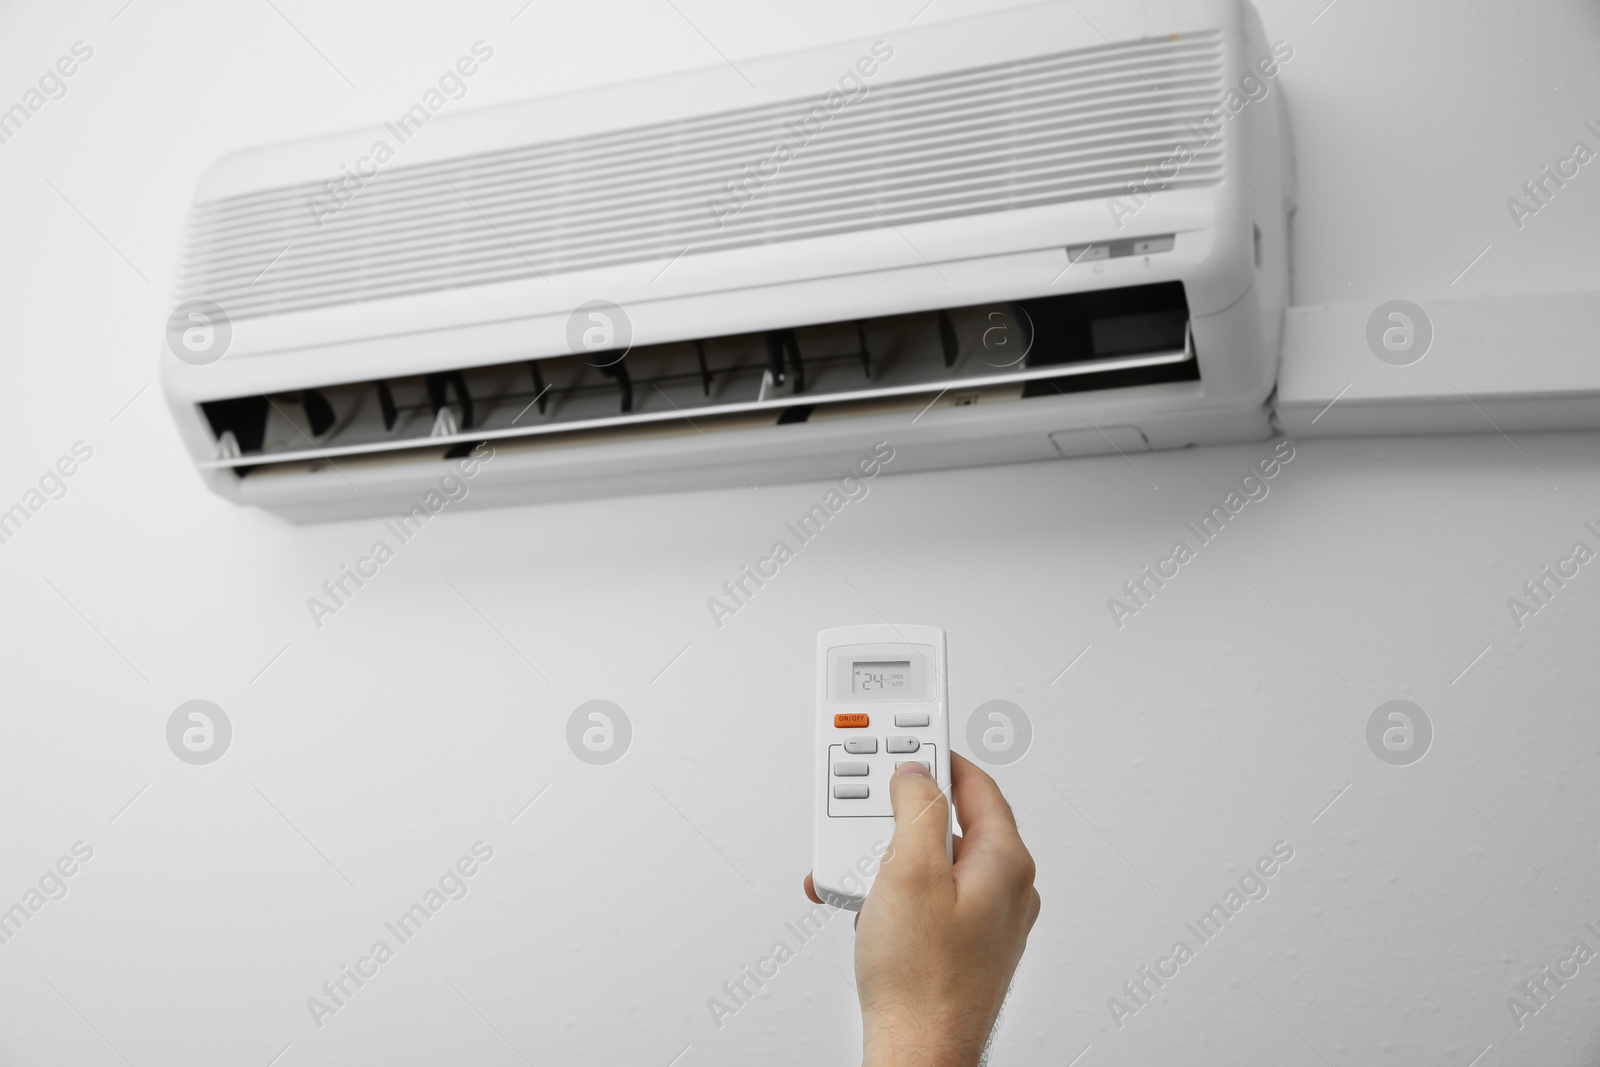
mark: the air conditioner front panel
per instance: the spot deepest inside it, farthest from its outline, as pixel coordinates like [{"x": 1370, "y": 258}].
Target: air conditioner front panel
[
  {"x": 1078, "y": 125},
  {"x": 926, "y": 50}
]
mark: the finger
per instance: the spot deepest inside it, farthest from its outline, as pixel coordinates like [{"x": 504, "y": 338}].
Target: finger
[
  {"x": 985, "y": 815},
  {"x": 811, "y": 891},
  {"x": 921, "y": 818},
  {"x": 993, "y": 852}
]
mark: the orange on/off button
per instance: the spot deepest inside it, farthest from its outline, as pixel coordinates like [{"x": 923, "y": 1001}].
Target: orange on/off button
[{"x": 853, "y": 721}]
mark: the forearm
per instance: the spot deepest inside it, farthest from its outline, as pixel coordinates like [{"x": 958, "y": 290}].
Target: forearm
[
  {"x": 903, "y": 1051},
  {"x": 926, "y": 1043}
]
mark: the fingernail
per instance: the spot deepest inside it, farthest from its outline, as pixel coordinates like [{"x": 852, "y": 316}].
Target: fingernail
[{"x": 912, "y": 767}]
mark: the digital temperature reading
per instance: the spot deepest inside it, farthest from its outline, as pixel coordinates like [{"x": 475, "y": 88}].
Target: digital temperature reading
[{"x": 879, "y": 677}]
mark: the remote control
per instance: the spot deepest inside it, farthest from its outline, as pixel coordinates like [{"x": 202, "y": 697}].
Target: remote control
[{"x": 881, "y": 700}]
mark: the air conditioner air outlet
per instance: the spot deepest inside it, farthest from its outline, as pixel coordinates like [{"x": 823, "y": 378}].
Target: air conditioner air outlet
[{"x": 947, "y": 358}]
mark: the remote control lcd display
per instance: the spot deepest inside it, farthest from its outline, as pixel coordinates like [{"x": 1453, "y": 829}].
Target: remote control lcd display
[{"x": 881, "y": 676}]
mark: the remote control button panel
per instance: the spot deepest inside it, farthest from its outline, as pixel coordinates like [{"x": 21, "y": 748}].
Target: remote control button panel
[{"x": 860, "y": 787}]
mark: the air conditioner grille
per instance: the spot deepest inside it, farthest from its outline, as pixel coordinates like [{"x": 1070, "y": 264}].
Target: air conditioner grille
[{"x": 1057, "y": 128}]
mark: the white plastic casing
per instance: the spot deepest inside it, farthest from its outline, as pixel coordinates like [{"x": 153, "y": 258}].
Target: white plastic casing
[
  {"x": 1230, "y": 254},
  {"x": 852, "y": 835}
]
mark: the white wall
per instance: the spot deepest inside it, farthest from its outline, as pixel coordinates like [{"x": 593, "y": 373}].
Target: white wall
[{"x": 375, "y": 751}]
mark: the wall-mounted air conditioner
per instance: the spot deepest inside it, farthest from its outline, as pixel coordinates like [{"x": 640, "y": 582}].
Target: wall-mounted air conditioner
[{"x": 1052, "y": 230}]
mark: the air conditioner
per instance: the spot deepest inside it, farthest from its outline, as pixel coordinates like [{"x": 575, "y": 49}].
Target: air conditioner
[{"x": 1048, "y": 231}]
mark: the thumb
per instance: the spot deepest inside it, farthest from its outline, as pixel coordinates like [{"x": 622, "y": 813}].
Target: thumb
[{"x": 921, "y": 821}]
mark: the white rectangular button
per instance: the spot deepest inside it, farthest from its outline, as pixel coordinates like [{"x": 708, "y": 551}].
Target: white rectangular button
[
  {"x": 851, "y": 770},
  {"x": 911, "y": 718},
  {"x": 861, "y": 746},
  {"x": 850, "y": 792},
  {"x": 902, "y": 762},
  {"x": 903, "y": 744}
]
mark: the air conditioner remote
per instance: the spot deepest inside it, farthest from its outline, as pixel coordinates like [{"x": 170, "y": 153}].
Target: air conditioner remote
[{"x": 881, "y": 700}]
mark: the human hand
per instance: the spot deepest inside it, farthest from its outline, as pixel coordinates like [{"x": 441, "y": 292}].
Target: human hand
[{"x": 937, "y": 942}]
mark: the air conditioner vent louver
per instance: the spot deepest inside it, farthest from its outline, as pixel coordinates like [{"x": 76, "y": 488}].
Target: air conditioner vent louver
[
  {"x": 1035, "y": 348},
  {"x": 1063, "y": 127}
]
